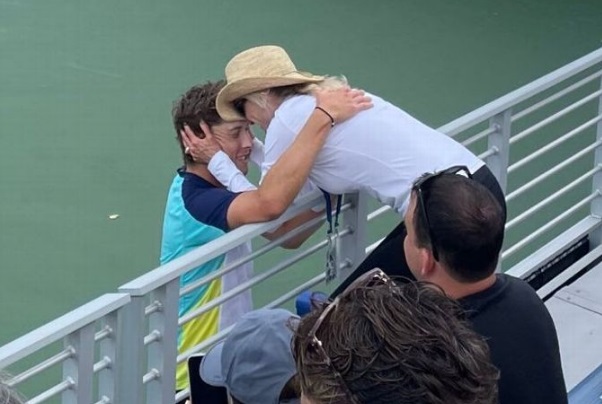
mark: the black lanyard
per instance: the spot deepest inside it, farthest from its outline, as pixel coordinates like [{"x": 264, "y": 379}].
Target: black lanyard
[
  {"x": 331, "y": 228},
  {"x": 332, "y": 262}
]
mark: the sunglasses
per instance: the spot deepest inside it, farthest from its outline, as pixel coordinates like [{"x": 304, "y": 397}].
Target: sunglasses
[
  {"x": 418, "y": 188},
  {"x": 371, "y": 278}
]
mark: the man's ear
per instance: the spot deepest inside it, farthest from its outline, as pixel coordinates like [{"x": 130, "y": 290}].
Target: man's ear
[
  {"x": 200, "y": 131},
  {"x": 427, "y": 263}
]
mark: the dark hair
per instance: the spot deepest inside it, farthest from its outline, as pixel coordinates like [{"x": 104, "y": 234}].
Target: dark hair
[
  {"x": 395, "y": 344},
  {"x": 467, "y": 222},
  {"x": 196, "y": 105},
  {"x": 291, "y": 389}
]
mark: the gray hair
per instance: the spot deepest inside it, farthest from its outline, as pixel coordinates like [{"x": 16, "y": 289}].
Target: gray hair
[{"x": 7, "y": 394}]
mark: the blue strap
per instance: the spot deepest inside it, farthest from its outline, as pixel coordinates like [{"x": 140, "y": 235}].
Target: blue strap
[{"x": 329, "y": 211}]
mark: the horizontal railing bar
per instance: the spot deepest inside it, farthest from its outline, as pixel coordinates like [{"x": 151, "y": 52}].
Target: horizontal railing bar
[
  {"x": 547, "y": 252},
  {"x": 154, "y": 307},
  {"x": 489, "y": 152},
  {"x": 552, "y": 171},
  {"x": 61, "y": 327},
  {"x": 153, "y": 336},
  {"x": 296, "y": 291},
  {"x": 172, "y": 270},
  {"x": 549, "y": 225},
  {"x": 255, "y": 254},
  {"x": 65, "y": 354},
  {"x": 104, "y": 363},
  {"x": 376, "y": 213},
  {"x": 517, "y": 96},
  {"x": 65, "y": 385},
  {"x": 256, "y": 279},
  {"x": 373, "y": 246},
  {"x": 554, "y": 143},
  {"x": 105, "y": 332},
  {"x": 103, "y": 400},
  {"x": 554, "y": 117},
  {"x": 555, "y": 96},
  {"x": 481, "y": 135},
  {"x": 552, "y": 197},
  {"x": 153, "y": 374},
  {"x": 182, "y": 394},
  {"x": 205, "y": 344},
  {"x": 223, "y": 333}
]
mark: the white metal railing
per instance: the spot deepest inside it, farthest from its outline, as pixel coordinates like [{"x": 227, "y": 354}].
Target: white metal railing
[{"x": 121, "y": 347}]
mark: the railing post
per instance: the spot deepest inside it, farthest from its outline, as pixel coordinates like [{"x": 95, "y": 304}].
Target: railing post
[
  {"x": 352, "y": 248},
  {"x": 131, "y": 350},
  {"x": 80, "y": 367},
  {"x": 162, "y": 353},
  {"x": 500, "y": 140},
  {"x": 595, "y": 238},
  {"x": 108, "y": 351}
]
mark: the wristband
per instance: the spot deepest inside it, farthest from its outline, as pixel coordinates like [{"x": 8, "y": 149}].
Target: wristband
[{"x": 328, "y": 115}]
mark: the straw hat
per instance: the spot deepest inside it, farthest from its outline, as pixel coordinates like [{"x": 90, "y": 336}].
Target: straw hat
[{"x": 254, "y": 70}]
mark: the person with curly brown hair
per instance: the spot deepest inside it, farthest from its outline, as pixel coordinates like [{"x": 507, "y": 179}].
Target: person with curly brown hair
[{"x": 380, "y": 342}]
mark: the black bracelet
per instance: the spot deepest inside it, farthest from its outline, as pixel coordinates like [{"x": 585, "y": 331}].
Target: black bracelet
[{"x": 328, "y": 115}]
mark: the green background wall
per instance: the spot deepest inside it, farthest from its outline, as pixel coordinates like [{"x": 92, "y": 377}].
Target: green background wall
[{"x": 86, "y": 89}]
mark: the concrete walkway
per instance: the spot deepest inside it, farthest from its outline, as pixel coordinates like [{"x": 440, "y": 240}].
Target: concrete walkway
[{"x": 577, "y": 313}]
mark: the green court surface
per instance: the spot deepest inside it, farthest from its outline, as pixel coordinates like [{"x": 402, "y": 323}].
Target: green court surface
[{"x": 86, "y": 89}]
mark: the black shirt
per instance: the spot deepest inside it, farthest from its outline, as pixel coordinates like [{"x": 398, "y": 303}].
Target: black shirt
[{"x": 522, "y": 340}]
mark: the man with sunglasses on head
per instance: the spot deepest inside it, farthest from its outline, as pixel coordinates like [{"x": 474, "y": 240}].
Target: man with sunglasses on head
[
  {"x": 380, "y": 343},
  {"x": 455, "y": 231}
]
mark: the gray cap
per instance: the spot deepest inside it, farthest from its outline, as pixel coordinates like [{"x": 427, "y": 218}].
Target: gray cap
[{"x": 255, "y": 361}]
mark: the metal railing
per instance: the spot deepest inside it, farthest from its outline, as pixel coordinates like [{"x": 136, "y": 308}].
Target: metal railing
[{"x": 121, "y": 348}]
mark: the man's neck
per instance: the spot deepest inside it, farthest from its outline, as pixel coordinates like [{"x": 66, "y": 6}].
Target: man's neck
[
  {"x": 203, "y": 172},
  {"x": 458, "y": 290}
]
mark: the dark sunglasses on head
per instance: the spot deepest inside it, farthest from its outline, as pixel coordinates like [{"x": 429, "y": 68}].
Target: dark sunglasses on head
[{"x": 418, "y": 187}]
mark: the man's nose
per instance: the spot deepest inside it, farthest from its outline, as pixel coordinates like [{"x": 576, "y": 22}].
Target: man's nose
[{"x": 248, "y": 139}]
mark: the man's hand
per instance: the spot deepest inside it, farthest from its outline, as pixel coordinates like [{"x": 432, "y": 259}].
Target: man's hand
[
  {"x": 201, "y": 149},
  {"x": 342, "y": 103}
]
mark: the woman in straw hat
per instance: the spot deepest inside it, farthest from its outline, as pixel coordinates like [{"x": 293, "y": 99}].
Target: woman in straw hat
[{"x": 380, "y": 151}]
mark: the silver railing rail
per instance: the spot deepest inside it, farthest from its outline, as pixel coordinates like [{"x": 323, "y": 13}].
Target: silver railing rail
[{"x": 121, "y": 348}]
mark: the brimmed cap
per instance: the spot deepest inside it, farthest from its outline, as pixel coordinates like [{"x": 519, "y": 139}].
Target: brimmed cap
[
  {"x": 254, "y": 70},
  {"x": 255, "y": 361}
]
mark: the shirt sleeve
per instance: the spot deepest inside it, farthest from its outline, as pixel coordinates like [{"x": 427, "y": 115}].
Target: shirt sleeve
[
  {"x": 282, "y": 132},
  {"x": 209, "y": 206},
  {"x": 228, "y": 174}
]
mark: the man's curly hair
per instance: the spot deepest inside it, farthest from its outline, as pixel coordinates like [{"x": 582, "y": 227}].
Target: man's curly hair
[
  {"x": 395, "y": 344},
  {"x": 194, "y": 106}
]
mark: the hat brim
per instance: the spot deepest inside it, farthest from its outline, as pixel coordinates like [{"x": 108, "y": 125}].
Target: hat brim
[
  {"x": 240, "y": 88},
  {"x": 211, "y": 366}
]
